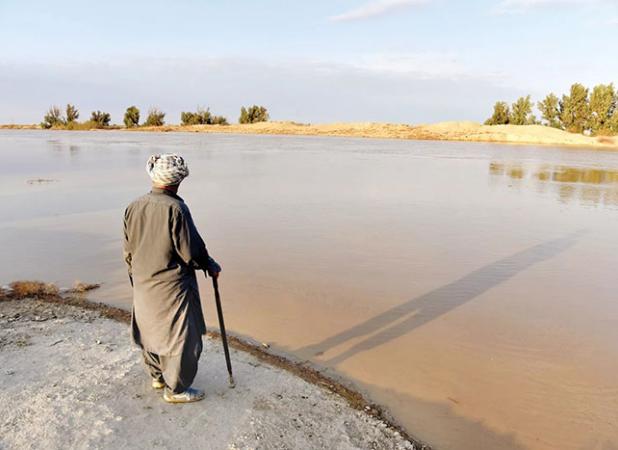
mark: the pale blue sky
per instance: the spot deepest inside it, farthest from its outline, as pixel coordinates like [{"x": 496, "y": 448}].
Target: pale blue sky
[{"x": 385, "y": 60}]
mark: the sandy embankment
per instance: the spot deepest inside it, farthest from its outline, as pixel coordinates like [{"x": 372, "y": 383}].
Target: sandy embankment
[
  {"x": 70, "y": 379},
  {"x": 445, "y": 131}
]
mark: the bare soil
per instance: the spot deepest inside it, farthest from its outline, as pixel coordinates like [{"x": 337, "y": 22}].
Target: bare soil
[{"x": 71, "y": 379}]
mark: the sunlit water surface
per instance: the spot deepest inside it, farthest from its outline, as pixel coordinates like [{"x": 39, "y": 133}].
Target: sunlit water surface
[{"x": 470, "y": 288}]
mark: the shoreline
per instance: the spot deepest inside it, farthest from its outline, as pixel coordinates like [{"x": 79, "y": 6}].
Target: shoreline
[
  {"x": 463, "y": 131},
  {"x": 354, "y": 399}
]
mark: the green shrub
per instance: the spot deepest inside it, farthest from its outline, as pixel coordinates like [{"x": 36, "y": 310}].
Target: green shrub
[
  {"x": 550, "y": 111},
  {"x": 72, "y": 114},
  {"x": 201, "y": 117},
  {"x": 253, "y": 114},
  {"x": 219, "y": 120},
  {"x": 575, "y": 109},
  {"x": 100, "y": 119},
  {"x": 53, "y": 118},
  {"x": 521, "y": 112},
  {"x": 131, "y": 117},
  {"x": 155, "y": 118},
  {"x": 603, "y": 100},
  {"x": 501, "y": 115}
]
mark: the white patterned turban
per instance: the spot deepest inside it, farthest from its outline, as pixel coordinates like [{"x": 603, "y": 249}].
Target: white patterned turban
[{"x": 167, "y": 169}]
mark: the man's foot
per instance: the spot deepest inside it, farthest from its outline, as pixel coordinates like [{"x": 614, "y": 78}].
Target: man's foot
[
  {"x": 188, "y": 396},
  {"x": 157, "y": 384}
]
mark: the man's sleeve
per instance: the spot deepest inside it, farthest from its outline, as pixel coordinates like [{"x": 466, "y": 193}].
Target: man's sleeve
[
  {"x": 126, "y": 248},
  {"x": 189, "y": 244}
]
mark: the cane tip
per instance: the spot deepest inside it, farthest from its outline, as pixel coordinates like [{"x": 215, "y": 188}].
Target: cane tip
[{"x": 232, "y": 383}]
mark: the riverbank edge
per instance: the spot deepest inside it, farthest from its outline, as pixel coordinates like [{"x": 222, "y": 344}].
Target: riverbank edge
[
  {"x": 445, "y": 131},
  {"x": 303, "y": 370}
]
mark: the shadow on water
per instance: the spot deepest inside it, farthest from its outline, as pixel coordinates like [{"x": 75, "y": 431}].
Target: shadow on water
[{"x": 438, "y": 302}]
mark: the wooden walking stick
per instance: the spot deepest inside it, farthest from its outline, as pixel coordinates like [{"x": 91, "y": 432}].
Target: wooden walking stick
[{"x": 226, "y": 350}]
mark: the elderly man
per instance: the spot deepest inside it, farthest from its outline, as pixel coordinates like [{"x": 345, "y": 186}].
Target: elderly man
[{"x": 162, "y": 249}]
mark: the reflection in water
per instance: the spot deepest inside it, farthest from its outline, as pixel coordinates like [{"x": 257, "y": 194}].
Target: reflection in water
[
  {"x": 589, "y": 185},
  {"x": 60, "y": 146}
]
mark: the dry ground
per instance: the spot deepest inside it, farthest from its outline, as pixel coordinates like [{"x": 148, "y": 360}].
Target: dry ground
[
  {"x": 445, "y": 131},
  {"x": 70, "y": 379}
]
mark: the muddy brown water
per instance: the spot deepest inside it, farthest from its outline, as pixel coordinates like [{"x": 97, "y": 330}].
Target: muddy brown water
[{"x": 470, "y": 288}]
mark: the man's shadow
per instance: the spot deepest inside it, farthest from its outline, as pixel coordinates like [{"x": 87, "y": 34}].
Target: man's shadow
[{"x": 440, "y": 301}]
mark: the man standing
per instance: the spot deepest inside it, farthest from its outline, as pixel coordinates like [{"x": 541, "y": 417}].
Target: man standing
[{"x": 162, "y": 249}]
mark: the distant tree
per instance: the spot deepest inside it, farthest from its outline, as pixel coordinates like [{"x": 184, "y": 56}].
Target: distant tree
[
  {"x": 501, "y": 115},
  {"x": 521, "y": 112},
  {"x": 253, "y": 114},
  {"x": 244, "y": 116},
  {"x": 72, "y": 114},
  {"x": 188, "y": 118},
  {"x": 100, "y": 119},
  {"x": 258, "y": 114},
  {"x": 579, "y": 111},
  {"x": 575, "y": 110},
  {"x": 131, "y": 117},
  {"x": 550, "y": 111},
  {"x": 53, "y": 118},
  {"x": 155, "y": 118},
  {"x": 200, "y": 117},
  {"x": 219, "y": 120},
  {"x": 602, "y": 108}
]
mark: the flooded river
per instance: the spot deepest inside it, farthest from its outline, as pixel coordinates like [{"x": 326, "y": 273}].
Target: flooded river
[{"x": 470, "y": 288}]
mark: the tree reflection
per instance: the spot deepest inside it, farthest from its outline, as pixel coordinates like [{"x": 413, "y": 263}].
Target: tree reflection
[{"x": 590, "y": 185}]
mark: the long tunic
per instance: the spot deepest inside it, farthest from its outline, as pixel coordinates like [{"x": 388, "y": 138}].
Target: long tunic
[{"x": 162, "y": 249}]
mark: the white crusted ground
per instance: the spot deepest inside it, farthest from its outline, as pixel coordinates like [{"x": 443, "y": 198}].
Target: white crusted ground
[{"x": 70, "y": 379}]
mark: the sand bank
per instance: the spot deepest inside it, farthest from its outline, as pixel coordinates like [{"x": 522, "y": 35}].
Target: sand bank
[
  {"x": 445, "y": 131},
  {"x": 71, "y": 380}
]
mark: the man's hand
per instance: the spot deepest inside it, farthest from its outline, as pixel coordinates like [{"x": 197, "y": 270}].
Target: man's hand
[
  {"x": 214, "y": 274},
  {"x": 213, "y": 269}
]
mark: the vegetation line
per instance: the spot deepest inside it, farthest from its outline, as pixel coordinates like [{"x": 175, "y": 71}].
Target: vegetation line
[
  {"x": 54, "y": 119},
  {"x": 581, "y": 111}
]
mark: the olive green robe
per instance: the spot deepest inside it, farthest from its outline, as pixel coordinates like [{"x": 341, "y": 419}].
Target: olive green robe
[{"x": 163, "y": 249}]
